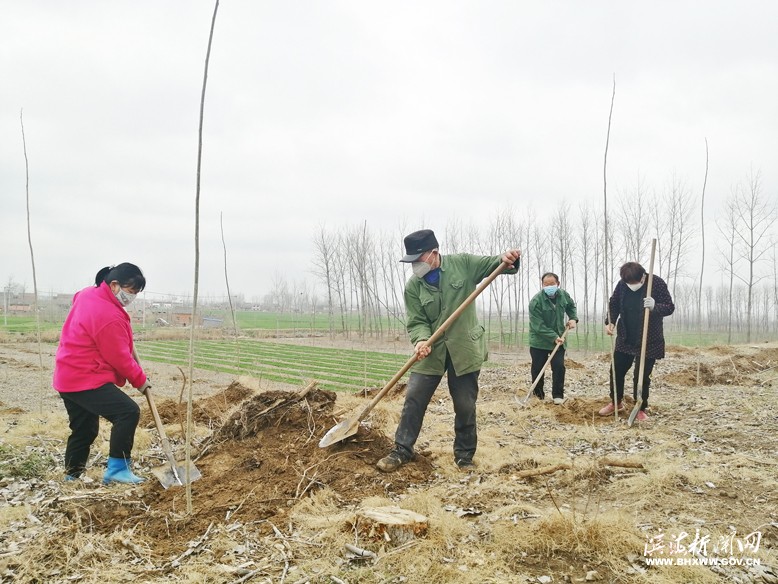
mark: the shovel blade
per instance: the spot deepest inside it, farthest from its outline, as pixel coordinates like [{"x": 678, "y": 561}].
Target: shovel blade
[
  {"x": 168, "y": 478},
  {"x": 340, "y": 431},
  {"x": 634, "y": 413}
]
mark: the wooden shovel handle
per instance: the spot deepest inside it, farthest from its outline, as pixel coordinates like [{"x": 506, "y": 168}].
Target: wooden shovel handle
[
  {"x": 545, "y": 366},
  {"x": 166, "y": 448},
  {"x": 646, "y": 312},
  {"x": 435, "y": 336},
  {"x": 646, "y": 315}
]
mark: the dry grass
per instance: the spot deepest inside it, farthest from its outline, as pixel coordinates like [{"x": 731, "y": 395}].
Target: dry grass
[{"x": 708, "y": 462}]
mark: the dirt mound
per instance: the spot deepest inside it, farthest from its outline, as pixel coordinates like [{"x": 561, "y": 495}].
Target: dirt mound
[
  {"x": 210, "y": 411},
  {"x": 275, "y": 408},
  {"x": 579, "y": 410},
  {"x": 687, "y": 377},
  {"x": 264, "y": 458},
  {"x": 573, "y": 364},
  {"x": 762, "y": 360},
  {"x": 722, "y": 349}
]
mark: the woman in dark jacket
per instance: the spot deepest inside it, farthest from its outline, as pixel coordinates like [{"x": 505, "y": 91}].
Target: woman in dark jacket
[{"x": 626, "y": 308}]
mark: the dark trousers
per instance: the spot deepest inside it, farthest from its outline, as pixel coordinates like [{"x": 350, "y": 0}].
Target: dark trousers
[
  {"x": 421, "y": 387},
  {"x": 622, "y": 363},
  {"x": 539, "y": 358},
  {"x": 84, "y": 410}
]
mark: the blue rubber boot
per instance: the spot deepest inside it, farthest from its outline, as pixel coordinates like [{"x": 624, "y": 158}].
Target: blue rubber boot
[{"x": 118, "y": 471}]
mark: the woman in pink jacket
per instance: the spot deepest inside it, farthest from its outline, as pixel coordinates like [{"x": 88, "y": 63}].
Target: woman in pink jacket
[{"x": 94, "y": 358}]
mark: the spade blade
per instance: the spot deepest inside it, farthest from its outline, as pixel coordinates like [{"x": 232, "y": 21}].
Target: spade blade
[{"x": 168, "y": 478}]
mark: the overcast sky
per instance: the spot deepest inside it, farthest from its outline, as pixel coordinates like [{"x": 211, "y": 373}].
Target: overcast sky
[{"x": 344, "y": 112}]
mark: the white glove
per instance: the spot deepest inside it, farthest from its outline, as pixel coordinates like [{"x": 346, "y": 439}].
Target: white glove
[
  {"x": 146, "y": 385},
  {"x": 649, "y": 303}
]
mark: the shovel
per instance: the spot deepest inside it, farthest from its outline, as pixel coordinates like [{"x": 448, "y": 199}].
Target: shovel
[
  {"x": 639, "y": 401},
  {"x": 350, "y": 426},
  {"x": 172, "y": 473},
  {"x": 543, "y": 371}
]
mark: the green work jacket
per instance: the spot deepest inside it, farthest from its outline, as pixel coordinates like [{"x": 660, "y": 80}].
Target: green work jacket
[
  {"x": 547, "y": 319},
  {"x": 427, "y": 307}
]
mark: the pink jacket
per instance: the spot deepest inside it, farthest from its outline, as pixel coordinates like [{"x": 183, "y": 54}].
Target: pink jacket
[{"x": 96, "y": 346}]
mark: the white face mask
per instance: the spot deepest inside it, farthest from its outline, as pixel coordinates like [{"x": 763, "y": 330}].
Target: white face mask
[
  {"x": 635, "y": 287},
  {"x": 124, "y": 298},
  {"x": 420, "y": 269}
]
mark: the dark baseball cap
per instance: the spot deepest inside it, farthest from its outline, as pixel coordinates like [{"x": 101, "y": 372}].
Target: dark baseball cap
[{"x": 417, "y": 243}]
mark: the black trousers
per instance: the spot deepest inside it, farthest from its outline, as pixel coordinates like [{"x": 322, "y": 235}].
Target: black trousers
[
  {"x": 622, "y": 362},
  {"x": 84, "y": 410},
  {"x": 539, "y": 358},
  {"x": 421, "y": 387}
]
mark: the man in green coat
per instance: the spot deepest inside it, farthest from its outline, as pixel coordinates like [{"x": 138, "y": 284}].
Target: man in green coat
[
  {"x": 437, "y": 288},
  {"x": 547, "y": 311}
]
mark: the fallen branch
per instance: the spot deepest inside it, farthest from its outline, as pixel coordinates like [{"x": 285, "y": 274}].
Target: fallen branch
[
  {"x": 296, "y": 397},
  {"x": 534, "y": 472},
  {"x": 360, "y": 553}
]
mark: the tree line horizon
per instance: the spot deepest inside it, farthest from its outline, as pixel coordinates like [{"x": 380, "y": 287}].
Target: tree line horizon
[{"x": 357, "y": 272}]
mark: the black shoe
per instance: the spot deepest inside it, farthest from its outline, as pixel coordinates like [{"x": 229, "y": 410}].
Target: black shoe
[
  {"x": 540, "y": 396},
  {"x": 465, "y": 464},
  {"x": 391, "y": 462}
]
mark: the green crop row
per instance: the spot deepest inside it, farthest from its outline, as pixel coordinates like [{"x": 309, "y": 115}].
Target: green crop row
[{"x": 337, "y": 369}]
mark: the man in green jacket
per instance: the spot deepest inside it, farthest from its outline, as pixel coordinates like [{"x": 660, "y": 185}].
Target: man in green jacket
[
  {"x": 437, "y": 288},
  {"x": 547, "y": 311}
]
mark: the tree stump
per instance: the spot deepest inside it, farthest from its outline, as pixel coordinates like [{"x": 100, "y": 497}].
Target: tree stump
[{"x": 390, "y": 524}]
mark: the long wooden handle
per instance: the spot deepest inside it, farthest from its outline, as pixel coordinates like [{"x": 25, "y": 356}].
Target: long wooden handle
[
  {"x": 431, "y": 341},
  {"x": 166, "y": 448},
  {"x": 646, "y": 314},
  {"x": 551, "y": 356}
]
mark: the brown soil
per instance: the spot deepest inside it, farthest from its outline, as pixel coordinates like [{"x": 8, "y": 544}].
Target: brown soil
[
  {"x": 263, "y": 459},
  {"x": 558, "y": 491}
]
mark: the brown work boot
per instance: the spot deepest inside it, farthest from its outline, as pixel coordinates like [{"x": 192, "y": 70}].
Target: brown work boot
[{"x": 391, "y": 462}]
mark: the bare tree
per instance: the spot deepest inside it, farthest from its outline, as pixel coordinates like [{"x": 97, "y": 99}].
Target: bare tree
[
  {"x": 32, "y": 261},
  {"x": 189, "y": 427},
  {"x": 727, "y": 226},
  {"x": 561, "y": 241},
  {"x": 774, "y": 246},
  {"x": 227, "y": 284},
  {"x": 755, "y": 216},
  {"x": 324, "y": 260},
  {"x": 672, "y": 223},
  {"x": 585, "y": 240},
  {"x": 634, "y": 222},
  {"x": 702, "y": 261}
]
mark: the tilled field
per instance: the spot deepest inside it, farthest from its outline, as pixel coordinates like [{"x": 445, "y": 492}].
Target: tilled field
[{"x": 559, "y": 494}]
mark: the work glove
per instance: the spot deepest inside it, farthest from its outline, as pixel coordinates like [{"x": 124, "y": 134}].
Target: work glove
[
  {"x": 146, "y": 385},
  {"x": 649, "y": 303}
]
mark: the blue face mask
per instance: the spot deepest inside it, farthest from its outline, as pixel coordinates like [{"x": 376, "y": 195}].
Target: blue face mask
[
  {"x": 432, "y": 277},
  {"x": 550, "y": 290}
]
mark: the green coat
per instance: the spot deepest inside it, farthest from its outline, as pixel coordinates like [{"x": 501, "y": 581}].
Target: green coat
[
  {"x": 427, "y": 307},
  {"x": 547, "y": 319}
]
